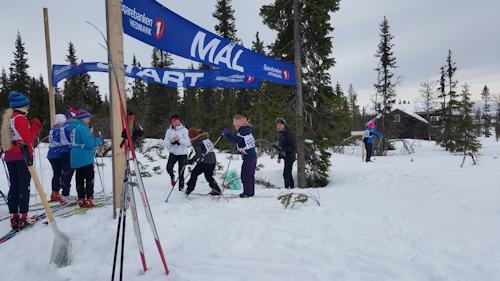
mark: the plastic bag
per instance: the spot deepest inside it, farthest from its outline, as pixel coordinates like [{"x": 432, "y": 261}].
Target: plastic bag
[{"x": 231, "y": 180}]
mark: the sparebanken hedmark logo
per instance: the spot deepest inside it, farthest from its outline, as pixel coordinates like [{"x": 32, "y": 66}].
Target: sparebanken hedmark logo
[
  {"x": 276, "y": 72},
  {"x": 142, "y": 23}
]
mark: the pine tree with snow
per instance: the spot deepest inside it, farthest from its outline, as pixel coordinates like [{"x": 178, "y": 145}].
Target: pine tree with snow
[
  {"x": 386, "y": 85},
  {"x": 467, "y": 142},
  {"x": 486, "y": 117}
]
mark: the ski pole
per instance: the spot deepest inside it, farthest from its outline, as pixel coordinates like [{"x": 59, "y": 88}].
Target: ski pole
[
  {"x": 182, "y": 170},
  {"x": 100, "y": 177},
  {"x": 130, "y": 144},
  {"x": 119, "y": 227},
  {"x": 137, "y": 229},
  {"x": 175, "y": 182},
  {"x": 227, "y": 170}
]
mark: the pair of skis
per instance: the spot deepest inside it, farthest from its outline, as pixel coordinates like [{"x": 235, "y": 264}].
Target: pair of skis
[{"x": 129, "y": 149}]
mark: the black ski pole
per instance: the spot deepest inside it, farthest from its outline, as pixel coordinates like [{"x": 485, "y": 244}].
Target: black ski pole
[{"x": 119, "y": 227}]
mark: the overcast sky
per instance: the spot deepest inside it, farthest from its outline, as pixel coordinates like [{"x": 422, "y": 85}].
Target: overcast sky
[{"x": 424, "y": 30}]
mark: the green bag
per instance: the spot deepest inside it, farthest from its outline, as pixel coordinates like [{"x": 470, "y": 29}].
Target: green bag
[{"x": 232, "y": 180}]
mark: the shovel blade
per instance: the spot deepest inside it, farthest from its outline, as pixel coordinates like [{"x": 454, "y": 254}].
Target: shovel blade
[{"x": 61, "y": 250}]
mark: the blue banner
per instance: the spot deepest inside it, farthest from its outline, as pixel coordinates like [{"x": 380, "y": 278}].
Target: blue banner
[
  {"x": 150, "y": 22},
  {"x": 177, "y": 78}
]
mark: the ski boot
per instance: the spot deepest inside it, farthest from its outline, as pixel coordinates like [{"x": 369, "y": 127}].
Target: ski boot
[
  {"x": 55, "y": 197},
  {"x": 14, "y": 220},
  {"x": 89, "y": 203},
  {"x": 24, "y": 221},
  {"x": 82, "y": 203}
]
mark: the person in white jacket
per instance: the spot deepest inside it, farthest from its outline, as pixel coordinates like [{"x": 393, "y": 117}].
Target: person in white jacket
[{"x": 177, "y": 142}]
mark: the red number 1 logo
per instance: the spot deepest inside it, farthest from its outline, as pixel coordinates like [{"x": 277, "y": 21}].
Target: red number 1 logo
[{"x": 159, "y": 25}]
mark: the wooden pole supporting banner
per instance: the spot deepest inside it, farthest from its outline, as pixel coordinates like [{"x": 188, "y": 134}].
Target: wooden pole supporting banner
[
  {"x": 116, "y": 61},
  {"x": 52, "y": 102}
]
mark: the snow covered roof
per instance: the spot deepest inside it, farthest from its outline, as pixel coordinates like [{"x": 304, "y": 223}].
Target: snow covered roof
[{"x": 410, "y": 110}]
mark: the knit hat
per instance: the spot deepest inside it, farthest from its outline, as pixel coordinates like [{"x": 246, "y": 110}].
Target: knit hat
[
  {"x": 18, "y": 100},
  {"x": 370, "y": 124},
  {"x": 280, "y": 120},
  {"x": 193, "y": 132},
  {"x": 82, "y": 114},
  {"x": 71, "y": 112},
  {"x": 59, "y": 119}
]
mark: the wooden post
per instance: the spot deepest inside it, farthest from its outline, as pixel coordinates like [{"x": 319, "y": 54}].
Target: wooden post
[
  {"x": 299, "y": 103},
  {"x": 52, "y": 102},
  {"x": 116, "y": 62}
]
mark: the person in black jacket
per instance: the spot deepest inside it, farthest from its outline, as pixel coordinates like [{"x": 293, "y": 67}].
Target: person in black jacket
[
  {"x": 205, "y": 159},
  {"x": 287, "y": 149}
]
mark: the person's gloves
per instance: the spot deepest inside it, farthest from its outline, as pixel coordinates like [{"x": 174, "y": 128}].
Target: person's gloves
[
  {"x": 36, "y": 123},
  {"x": 226, "y": 131}
]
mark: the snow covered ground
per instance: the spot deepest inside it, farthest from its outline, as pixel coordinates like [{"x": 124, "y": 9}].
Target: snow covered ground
[{"x": 409, "y": 217}]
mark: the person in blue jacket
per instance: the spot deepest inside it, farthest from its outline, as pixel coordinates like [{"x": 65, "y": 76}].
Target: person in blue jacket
[
  {"x": 245, "y": 143},
  {"x": 65, "y": 150},
  {"x": 83, "y": 145},
  {"x": 368, "y": 136},
  {"x": 54, "y": 156}
]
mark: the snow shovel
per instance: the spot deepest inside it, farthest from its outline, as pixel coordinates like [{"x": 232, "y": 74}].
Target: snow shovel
[{"x": 61, "y": 247}]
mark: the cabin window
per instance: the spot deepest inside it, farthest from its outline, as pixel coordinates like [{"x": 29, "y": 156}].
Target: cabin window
[{"x": 397, "y": 118}]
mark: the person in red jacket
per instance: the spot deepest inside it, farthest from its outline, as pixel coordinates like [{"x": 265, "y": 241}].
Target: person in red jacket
[{"x": 17, "y": 131}]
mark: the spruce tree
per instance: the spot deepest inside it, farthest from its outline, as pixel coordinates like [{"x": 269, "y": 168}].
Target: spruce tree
[
  {"x": 39, "y": 97},
  {"x": 466, "y": 142},
  {"x": 4, "y": 90},
  {"x": 190, "y": 108},
  {"x": 232, "y": 101},
  {"x": 428, "y": 100},
  {"x": 497, "y": 114},
  {"x": 385, "y": 86},
  {"x": 486, "y": 118},
  {"x": 164, "y": 101},
  {"x": 449, "y": 115},
  {"x": 324, "y": 110},
  {"x": 139, "y": 103},
  {"x": 259, "y": 106},
  {"x": 79, "y": 91},
  {"x": 354, "y": 112},
  {"x": 18, "y": 76}
]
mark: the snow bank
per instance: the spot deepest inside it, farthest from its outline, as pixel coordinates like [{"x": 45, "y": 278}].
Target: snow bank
[{"x": 414, "y": 217}]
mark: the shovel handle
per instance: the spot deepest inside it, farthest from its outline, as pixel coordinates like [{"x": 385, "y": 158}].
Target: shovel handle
[
  {"x": 38, "y": 184},
  {"x": 43, "y": 198}
]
